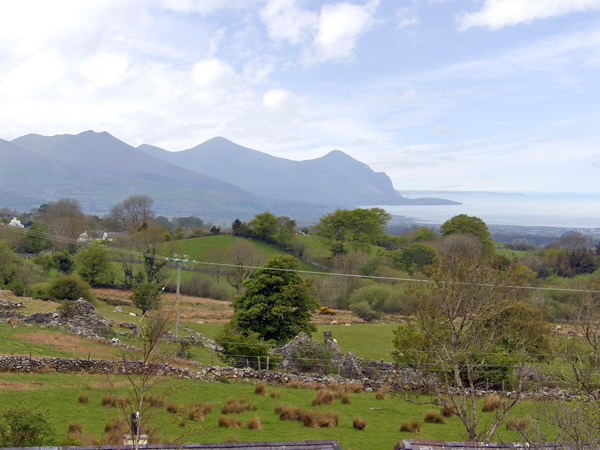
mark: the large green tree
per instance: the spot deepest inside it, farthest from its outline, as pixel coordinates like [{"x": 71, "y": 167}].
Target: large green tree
[
  {"x": 355, "y": 229},
  {"x": 277, "y": 303},
  {"x": 94, "y": 264},
  {"x": 464, "y": 224},
  {"x": 8, "y": 263}
]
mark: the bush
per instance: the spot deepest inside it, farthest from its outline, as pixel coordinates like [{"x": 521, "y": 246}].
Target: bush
[
  {"x": 323, "y": 397},
  {"x": 359, "y": 423},
  {"x": 70, "y": 287},
  {"x": 517, "y": 424},
  {"x": 260, "y": 389},
  {"x": 413, "y": 426},
  {"x": 364, "y": 311},
  {"x": 22, "y": 425},
  {"x": 254, "y": 423},
  {"x": 239, "y": 350},
  {"x": 492, "y": 402},
  {"x": 434, "y": 417},
  {"x": 200, "y": 286}
]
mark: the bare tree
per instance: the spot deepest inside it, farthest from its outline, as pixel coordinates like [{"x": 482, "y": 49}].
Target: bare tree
[
  {"x": 461, "y": 339},
  {"x": 63, "y": 219},
  {"x": 132, "y": 212},
  {"x": 146, "y": 364}
]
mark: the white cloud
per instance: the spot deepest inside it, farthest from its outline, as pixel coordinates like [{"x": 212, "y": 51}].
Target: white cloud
[
  {"x": 212, "y": 73},
  {"x": 287, "y": 22},
  {"x": 104, "y": 68},
  {"x": 340, "y": 26},
  {"x": 206, "y": 6},
  {"x": 277, "y": 98},
  {"x": 496, "y": 14}
]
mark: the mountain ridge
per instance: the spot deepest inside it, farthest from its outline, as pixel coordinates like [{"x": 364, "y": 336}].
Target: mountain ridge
[{"x": 99, "y": 170}]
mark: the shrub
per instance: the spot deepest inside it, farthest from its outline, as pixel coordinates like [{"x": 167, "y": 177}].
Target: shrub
[
  {"x": 260, "y": 389},
  {"x": 155, "y": 401},
  {"x": 355, "y": 388},
  {"x": 254, "y": 423},
  {"x": 359, "y": 423},
  {"x": 174, "y": 408},
  {"x": 70, "y": 287},
  {"x": 75, "y": 427},
  {"x": 323, "y": 397},
  {"x": 288, "y": 412},
  {"x": 413, "y": 426},
  {"x": 229, "y": 422},
  {"x": 434, "y": 417},
  {"x": 233, "y": 406},
  {"x": 517, "y": 424},
  {"x": 117, "y": 425},
  {"x": 294, "y": 384},
  {"x": 492, "y": 402},
  {"x": 83, "y": 398},
  {"x": 447, "y": 410},
  {"x": 364, "y": 311},
  {"x": 25, "y": 426}
]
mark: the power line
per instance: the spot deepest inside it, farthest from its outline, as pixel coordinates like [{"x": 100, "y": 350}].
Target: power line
[{"x": 306, "y": 272}]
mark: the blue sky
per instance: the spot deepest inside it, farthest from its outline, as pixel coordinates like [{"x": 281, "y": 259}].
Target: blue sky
[{"x": 440, "y": 94}]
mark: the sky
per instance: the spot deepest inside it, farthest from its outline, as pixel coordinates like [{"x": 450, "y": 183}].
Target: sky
[{"x": 499, "y": 95}]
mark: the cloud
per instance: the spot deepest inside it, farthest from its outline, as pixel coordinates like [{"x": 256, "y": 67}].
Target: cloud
[
  {"x": 206, "y": 6},
  {"x": 340, "y": 26},
  {"x": 442, "y": 130},
  {"x": 277, "y": 98},
  {"x": 287, "y": 22},
  {"x": 212, "y": 73},
  {"x": 496, "y": 14},
  {"x": 407, "y": 17}
]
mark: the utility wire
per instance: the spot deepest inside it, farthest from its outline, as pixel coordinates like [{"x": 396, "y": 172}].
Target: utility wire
[{"x": 306, "y": 272}]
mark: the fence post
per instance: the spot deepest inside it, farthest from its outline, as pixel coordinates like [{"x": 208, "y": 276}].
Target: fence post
[
  {"x": 267, "y": 363},
  {"x": 259, "y": 377}
]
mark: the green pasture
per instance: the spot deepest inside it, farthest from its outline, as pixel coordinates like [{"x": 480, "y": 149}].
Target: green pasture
[
  {"x": 200, "y": 249},
  {"x": 58, "y": 394}
]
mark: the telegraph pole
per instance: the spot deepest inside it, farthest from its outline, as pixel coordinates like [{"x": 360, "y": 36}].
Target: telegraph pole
[{"x": 179, "y": 261}]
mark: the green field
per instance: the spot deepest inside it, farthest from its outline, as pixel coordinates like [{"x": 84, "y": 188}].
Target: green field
[{"x": 58, "y": 394}]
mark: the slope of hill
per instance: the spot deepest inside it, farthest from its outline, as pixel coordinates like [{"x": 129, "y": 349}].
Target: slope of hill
[
  {"x": 99, "y": 170},
  {"x": 334, "y": 179}
]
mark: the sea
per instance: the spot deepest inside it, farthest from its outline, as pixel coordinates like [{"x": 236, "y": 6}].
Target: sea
[{"x": 558, "y": 209}]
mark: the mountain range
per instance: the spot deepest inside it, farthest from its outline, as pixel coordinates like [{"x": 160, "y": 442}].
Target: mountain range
[{"x": 217, "y": 179}]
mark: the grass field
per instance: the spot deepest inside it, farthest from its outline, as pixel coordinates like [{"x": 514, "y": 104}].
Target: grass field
[{"x": 58, "y": 394}]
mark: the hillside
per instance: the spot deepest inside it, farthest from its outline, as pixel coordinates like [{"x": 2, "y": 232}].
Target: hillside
[{"x": 334, "y": 179}]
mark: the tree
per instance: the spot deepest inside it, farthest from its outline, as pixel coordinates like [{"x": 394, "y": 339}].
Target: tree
[
  {"x": 150, "y": 356},
  {"x": 417, "y": 256},
  {"x": 460, "y": 339},
  {"x": 63, "y": 219},
  {"x": 22, "y": 425},
  {"x": 132, "y": 212},
  {"x": 94, "y": 264},
  {"x": 464, "y": 224},
  {"x": 277, "y": 304},
  {"x": 575, "y": 421},
  {"x": 356, "y": 229},
  {"x": 63, "y": 261},
  {"x": 8, "y": 263},
  {"x": 575, "y": 240},
  {"x": 146, "y": 294},
  {"x": 35, "y": 239},
  {"x": 264, "y": 226}
]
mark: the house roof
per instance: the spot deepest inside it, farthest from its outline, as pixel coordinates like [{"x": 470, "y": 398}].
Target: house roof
[{"x": 327, "y": 444}]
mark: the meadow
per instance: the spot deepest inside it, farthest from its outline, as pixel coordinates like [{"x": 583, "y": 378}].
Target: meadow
[{"x": 58, "y": 394}]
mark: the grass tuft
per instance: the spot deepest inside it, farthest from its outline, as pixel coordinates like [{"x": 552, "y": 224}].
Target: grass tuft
[
  {"x": 359, "y": 423},
  {"x": 492, "y": 402},
  {"x": 434, "y": 417},
  {"x": 412, "y": 426}
]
